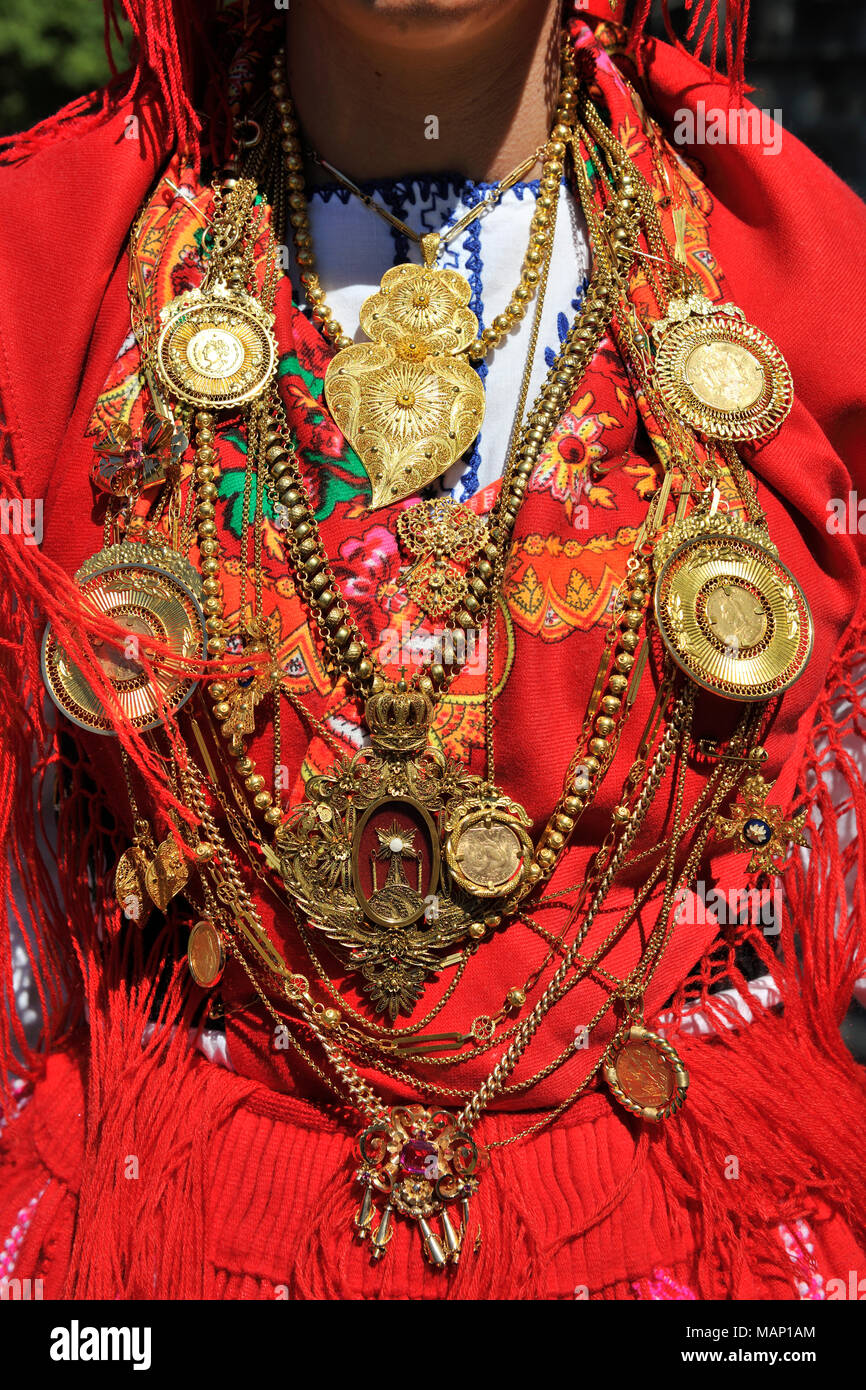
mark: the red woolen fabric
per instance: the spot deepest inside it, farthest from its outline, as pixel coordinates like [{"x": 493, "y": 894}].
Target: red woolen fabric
[{"x": 257, "y": 1195}]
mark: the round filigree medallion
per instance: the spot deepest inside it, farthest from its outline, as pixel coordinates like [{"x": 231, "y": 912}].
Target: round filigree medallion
[
  {"x": 216, "y": 352},
  {"x": 724, "y": 377},
  {"x": 733, "y": 617},
  {"x": 147, "y": 601}
]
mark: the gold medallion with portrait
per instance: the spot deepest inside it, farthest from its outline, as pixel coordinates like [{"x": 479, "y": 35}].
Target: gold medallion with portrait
[
  {"x": 720, "y": 373},
  {"x": 487, "y": 852},
  {"x": 733, "y": 617},
  {"x": 215, "y": 351}
]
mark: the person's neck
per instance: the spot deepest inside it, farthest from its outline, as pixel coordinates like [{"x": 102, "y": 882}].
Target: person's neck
[{"x": 380, "y": 98}]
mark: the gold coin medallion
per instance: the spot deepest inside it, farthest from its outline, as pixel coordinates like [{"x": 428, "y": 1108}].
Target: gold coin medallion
[
  {"x": 205, "y": 954},
  {"x": 725, "y": 376},
  {"x": 733, "y": 617},
  {"x": 129, "y": 885},
  {"x": 720, "y": 373},
  {"x": 150, "y": 592},
  {"x": 646, "y": 1075},
  {"x": 217, "y": 350},
  {"x": 487, "y": 853}
]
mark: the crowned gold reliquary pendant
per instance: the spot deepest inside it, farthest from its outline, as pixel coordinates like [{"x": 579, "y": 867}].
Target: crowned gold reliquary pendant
[
  {"x": 409, "y": 402},
  {"x": 398, "y": 854}
]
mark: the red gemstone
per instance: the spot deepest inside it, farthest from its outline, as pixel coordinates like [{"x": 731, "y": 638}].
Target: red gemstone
[{"x": 418, "y": 1157}]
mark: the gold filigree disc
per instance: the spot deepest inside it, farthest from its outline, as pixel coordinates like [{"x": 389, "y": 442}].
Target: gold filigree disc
[{"x": 733, "y": 617}]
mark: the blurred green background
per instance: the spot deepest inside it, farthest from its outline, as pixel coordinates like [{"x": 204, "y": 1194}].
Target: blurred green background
[{"x": 50, "y": 52}]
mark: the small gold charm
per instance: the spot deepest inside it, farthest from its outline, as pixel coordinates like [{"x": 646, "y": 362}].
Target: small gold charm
[
  {"x": 409, "y": 402},
  {"x": 731, "y": 615},
  {"x": 760, "y": 828},
  {"x": 151, "y": 591},
  {"x": 166, "y": 874},
  {"x": 646, "y": 1075},
  {"x": 205, "y": 954},
  {"x": 216, "y": 349},
  {"x": 441, "y": 535},
  {"x": 129, "y": 885},
  {"x": 720, "y": 373}
]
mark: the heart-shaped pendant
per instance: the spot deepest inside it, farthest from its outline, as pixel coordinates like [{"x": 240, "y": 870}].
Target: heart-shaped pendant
[{"x": 409, "y": 402}]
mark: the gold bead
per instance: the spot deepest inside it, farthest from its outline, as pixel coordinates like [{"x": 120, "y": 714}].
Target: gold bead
[
  {"x": 516, "y": 998},
  {"x": 255, "y": 782},
  {"x": 611, "y": 704},
  {"x": 534, "y": 872},
  {"x": 573, "y": 805},
  {"x": 222, "y": 709},
  {"x": 554, "y": 839},
  {"x": 546, "y": 857},
  {"x": 629, "y": 640},
  {"x": 621, "y": 814},
  {"x": 204, "y": 851},
  {"x": 216, "y": 646},
  {"x": 262, "y": 801},
  {"x": 564, "y": 823},
  {"x": 331, "y": 1017},
  {"x": 273, "y": 816},
  {"x": 218, "y": 690},
  {"x": 624, "y": 662},
  {"x": 591, "y": 764},
  {"x": 598, "y": 746},
  {"x": 604, "y": 725},
  {"x": 477, "y": 930},
  {"x": 617, "y": 684}
]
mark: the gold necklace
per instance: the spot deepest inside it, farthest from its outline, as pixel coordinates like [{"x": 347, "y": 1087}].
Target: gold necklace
[{"x": 409, "y": 401}]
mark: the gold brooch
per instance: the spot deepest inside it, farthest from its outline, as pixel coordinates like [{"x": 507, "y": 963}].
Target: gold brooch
[
  {"x": 441, "y": 536},
  {"x": 760, "y": 828}
]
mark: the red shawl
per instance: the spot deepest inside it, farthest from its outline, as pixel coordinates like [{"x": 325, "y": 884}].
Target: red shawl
[{"x": 774, "y": 225}]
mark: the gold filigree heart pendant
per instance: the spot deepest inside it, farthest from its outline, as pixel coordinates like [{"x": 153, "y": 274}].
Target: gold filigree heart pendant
[{"x": 409, "y": 402}]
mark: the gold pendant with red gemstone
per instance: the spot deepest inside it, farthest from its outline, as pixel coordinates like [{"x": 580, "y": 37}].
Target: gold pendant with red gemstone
[{"x": 424, "y": 1166}]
